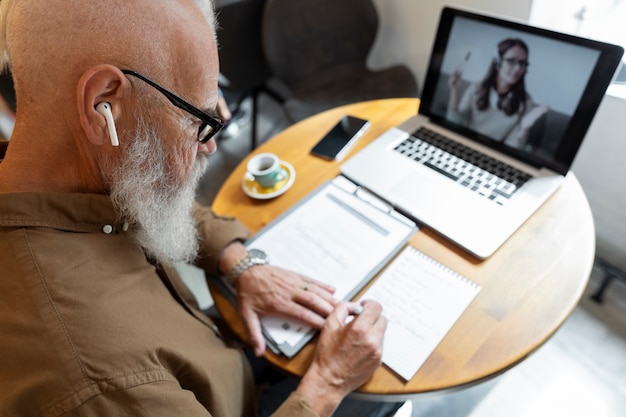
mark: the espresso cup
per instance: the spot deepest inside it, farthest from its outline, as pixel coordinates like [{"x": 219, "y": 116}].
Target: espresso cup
[{"x": 266, "y": 169}]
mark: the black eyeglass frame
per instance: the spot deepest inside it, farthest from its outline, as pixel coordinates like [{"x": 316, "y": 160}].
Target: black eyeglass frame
[
  {"x": 207, "y": 121},
  {"x": 514, "y": 61}
]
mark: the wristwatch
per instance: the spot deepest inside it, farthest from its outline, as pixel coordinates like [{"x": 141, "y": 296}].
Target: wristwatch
[{"x": 254, "y": 257}]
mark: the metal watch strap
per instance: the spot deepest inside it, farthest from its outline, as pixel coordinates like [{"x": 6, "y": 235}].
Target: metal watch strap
[{"x": 252, "y": 258}]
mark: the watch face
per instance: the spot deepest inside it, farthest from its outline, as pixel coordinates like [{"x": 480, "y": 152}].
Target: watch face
[{"x": 257, "y": 254}]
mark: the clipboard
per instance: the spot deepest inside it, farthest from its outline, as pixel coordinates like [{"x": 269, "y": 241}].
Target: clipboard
[{"x": 338, "y": 234}]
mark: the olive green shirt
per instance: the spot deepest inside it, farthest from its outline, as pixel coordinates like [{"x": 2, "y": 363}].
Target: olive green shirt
[{"x": 90, "y": 327}]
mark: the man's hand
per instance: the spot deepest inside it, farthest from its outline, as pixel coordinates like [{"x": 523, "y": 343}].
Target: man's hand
[
  {"x": 266, "y": 289},
  {"x": 346, "y": 356}
]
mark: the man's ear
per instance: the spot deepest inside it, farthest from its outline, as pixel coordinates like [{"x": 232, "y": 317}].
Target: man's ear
[{"x": 100, "y": 84}]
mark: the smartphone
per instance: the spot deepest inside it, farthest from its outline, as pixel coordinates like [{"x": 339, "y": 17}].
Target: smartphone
[{"x": 340, "y": 138}]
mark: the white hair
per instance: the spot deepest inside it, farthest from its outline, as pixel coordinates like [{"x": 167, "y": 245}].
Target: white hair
[
  {"x": 208, "y": 10},
  {"x": 5, "y": 8},
  {"x": 147, "y": 195}
]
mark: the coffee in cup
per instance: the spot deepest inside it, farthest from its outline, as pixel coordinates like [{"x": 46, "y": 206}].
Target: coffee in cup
[{"x": 266, "y": 169}]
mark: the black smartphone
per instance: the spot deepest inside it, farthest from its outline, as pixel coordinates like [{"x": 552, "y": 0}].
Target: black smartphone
[{"x": 340, "y": 138}]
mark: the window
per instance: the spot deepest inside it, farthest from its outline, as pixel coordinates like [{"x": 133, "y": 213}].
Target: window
[{"x": 603, "y": 20}]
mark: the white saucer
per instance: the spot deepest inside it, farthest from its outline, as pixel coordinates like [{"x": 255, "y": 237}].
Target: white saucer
[{"x": 254, "y": 190}]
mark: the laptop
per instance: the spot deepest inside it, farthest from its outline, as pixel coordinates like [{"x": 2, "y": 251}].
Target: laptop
[{"x": 476, "y": 172}]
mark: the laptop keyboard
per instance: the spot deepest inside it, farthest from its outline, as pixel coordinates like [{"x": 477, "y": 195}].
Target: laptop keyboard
[{"x": 478, "y": 172}]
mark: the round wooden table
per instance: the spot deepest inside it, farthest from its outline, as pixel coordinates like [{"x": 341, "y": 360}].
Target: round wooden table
[{"x": 528, "y": 287}]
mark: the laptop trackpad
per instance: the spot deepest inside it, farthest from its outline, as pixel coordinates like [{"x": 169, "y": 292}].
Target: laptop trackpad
[
  {"x": 449, "y": 208},
  {"x": 426, "y": 192}
]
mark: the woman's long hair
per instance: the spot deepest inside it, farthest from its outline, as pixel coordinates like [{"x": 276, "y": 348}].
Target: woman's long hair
[{"x": 515, "y": 99}]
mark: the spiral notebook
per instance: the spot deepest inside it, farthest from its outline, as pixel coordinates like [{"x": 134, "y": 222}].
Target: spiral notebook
[{"x": 422, "y": 300}]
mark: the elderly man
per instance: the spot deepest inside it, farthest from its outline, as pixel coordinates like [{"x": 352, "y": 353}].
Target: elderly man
[{"x": 96, "y": 204}]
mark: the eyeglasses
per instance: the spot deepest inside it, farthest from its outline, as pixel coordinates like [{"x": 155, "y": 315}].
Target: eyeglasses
[
  {"x": 209, "y": 127},
  {"x": 521, "y": 62}
]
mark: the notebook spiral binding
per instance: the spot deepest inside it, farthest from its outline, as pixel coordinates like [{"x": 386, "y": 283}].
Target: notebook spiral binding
[{"x": 444, "y": 268}]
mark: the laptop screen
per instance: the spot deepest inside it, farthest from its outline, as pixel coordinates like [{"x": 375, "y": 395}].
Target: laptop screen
[{"x": 528, "y": 92}]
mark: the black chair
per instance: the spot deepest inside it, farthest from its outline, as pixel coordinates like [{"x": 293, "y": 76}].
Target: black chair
[
  {"x": 7, "y": 110},
  {"x": 317, "y": 52},
  {"x": 243, "y": 70},
  {"x": 4, "y": 144},
  {"x": 611, "y": 272},
  {"x": 7, "y": 90}
]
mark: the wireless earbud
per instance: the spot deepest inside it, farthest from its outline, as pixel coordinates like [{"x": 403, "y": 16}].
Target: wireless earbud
[{"x": 104, "y": 109}]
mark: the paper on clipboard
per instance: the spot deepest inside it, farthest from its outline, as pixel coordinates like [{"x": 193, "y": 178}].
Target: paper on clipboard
[{"x": 335, "y": 236}]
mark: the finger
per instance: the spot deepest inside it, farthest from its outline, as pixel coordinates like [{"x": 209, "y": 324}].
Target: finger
[
  {"x": 302, "y": 314},
  {"x": 255, "y": 334},
  {"x": 315, "y": 300},
  {"x": 324, "y": 295},
  {"x": 375, "y": 326},
  {"x": 355, "y": 308},
  {"x": 339, "y": 315},
  {"x": 371, "y": 311},
  {"x": 379, "y": 327},
  {"x": 326, "y": 287},
  {"x": 377, "y": 331}
]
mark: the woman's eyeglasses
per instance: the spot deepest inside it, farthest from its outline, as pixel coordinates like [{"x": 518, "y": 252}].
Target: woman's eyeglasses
[{"x": 513, "y": 61}]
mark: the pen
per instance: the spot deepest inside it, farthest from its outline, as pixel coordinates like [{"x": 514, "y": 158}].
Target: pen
[{"x": 358, "y": 309}]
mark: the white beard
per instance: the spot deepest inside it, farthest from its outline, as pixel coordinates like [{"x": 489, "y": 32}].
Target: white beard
[{"x": 145, "y": 195}]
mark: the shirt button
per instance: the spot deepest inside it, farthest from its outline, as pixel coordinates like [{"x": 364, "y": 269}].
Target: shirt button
[{"x": 107, "y": 229}]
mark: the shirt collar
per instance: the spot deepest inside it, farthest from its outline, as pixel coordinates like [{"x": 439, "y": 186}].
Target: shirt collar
[{"x": 73, "y": 212}]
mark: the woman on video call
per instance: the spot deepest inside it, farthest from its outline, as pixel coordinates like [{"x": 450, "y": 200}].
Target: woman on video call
[{"x": 498, "y": 106}]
